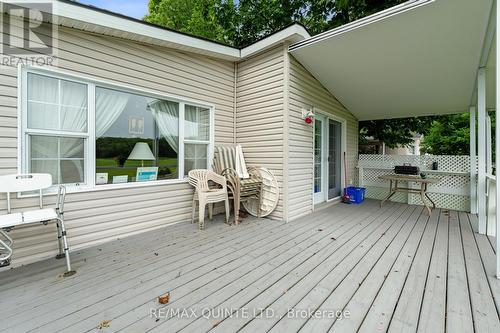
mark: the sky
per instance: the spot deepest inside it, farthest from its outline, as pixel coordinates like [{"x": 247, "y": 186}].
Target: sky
[{"x": 133, "y": 8}]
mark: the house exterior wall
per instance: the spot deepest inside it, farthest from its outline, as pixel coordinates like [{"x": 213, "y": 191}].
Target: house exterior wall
[
  {"x": 102, "y": 215},
  {"x": 306, "y": 92},
  {"x": 257, "y": 102},
  {"x": 260, "y": 115}
]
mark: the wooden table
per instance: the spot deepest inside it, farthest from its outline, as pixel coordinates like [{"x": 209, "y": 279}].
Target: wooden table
[{"x": 394, "y": 179}]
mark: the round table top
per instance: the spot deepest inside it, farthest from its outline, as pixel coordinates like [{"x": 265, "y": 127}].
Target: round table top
[{"x": 270, "y": 195}]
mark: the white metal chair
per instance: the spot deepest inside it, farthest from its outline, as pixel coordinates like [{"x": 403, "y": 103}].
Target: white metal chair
[
  {"x": 200, "y": 179},
  {"x": 29, "y": 183}
]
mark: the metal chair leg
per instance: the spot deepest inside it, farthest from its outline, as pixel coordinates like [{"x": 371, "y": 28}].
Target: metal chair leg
[
  {"x": 60, "y": 255},
  {"x": 69, "y": 272},
  {"x": 9, "y": 240},
  {"x": 5, "y": 259}
]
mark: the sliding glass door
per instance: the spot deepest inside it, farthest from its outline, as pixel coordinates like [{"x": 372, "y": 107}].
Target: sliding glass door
[
  {"x": 319, "y": 154},
  {"x": 334, "y": 159},
  {"x": 327, "y": 159}
]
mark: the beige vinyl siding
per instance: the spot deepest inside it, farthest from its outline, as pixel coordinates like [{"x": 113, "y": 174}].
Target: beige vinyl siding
[
  {"x": 306, "y": 92},
  {"x": 259, "y": 113},
  {"x": 102, "y": 215}
]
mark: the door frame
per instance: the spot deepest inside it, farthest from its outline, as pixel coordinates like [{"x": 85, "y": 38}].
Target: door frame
[{"x": 325, "y": 117}]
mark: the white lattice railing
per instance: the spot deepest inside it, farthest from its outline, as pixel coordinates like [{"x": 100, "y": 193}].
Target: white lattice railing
[{"x": 452, "y": 191}]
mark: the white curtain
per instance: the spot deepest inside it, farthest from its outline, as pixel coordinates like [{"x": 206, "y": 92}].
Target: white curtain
[
  {"x": 73, "y": 106},
  {"x": 197, "y": 124},
  {"x": 166, "y": 115},
  {"x": 43, "y": 99},
  {"x": 109, "y": 106},
  {"x": 56, "y": 104},
  {"x": 48, "y": 151}
]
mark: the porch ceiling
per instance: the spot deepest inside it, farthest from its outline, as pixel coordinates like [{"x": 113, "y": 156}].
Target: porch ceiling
[{"x": 416, "y": 59}]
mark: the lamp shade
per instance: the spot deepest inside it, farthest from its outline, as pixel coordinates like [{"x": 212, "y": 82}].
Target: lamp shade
[{"x": 141, "y": 152}]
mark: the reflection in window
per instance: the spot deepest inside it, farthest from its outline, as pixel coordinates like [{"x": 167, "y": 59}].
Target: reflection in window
[{"x": 137, "y": 137}]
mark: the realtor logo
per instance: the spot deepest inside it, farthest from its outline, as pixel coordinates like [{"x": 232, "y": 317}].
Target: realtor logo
[{"x": 26, "y": 28}]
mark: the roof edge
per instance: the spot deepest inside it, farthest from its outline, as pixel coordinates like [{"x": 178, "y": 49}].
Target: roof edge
[
  {"x": 293, "y": 33},
  {"x": 118, "y": 24},
  {"x": 395, "y": 10}
]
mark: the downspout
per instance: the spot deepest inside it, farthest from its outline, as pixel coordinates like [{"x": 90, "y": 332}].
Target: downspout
[
  {"x": 286, "y": 87},
  {"x": 234, "y": 100}
]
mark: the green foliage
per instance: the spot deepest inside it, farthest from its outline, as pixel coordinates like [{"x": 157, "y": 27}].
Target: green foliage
[
  {"x": 212, "y": 19},
  {"x": 448, "y": 135},
  {"x": 250, "y": 20},
  {"x": 394, "y": 132}
]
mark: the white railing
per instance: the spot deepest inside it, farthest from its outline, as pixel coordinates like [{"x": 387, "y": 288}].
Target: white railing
[
  {"x": 451, "y": 192},
  {"x": 491, "y": 226}
]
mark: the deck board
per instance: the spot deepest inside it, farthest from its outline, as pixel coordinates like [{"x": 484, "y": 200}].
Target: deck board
[{"x": 393, "y": 268}]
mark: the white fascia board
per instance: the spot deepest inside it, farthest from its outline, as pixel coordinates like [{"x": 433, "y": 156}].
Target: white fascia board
[
  {"x": 409, "y": 5},
  {"x": 293, "y": 33},
  {"x": 76, "y": 12},
  {"x": 90, "y": 16},
  {"x": 95, "y": 17}
]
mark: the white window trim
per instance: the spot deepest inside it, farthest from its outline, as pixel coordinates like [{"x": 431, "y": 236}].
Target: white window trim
[{"x": 89, "y": 156}]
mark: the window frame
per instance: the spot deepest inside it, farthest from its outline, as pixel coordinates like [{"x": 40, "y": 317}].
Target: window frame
[{"x": 90, "y": 137}]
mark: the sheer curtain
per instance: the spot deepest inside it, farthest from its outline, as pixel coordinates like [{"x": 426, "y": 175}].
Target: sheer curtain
[
  {"x": 109, "y": 106},
  {"x": 166, "y": 115},
  {"x": 73, "y": 106},
  {"x": 55, "y": 104}
]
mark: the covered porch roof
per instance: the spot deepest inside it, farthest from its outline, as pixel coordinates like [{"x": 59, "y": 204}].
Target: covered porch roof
[{"x": 418, "y": 58}]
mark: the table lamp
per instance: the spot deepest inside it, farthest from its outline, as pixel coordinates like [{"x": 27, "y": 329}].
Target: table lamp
[{"x": 141, "y": 152}]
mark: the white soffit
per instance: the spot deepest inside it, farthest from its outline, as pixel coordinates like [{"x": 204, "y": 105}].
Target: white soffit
[{"x": 418, "y": 58}]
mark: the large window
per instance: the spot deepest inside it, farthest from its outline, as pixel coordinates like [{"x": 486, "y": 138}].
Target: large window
[
  {"x": 127, "y": 123},
  {"x": 92, "y": 134},
  {"x": 56, "y": 128}
]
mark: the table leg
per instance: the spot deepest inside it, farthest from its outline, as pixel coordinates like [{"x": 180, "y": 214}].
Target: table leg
[
  {"x": 391, "y": 193},
  {"x": 422, "y": 196},
  {"x": 427, "y": 196}
]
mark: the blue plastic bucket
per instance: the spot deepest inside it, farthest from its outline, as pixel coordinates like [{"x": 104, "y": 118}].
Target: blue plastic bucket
[{"x": 356, "y": 194}]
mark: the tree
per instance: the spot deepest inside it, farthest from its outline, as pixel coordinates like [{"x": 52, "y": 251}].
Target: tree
[
  {"x": 212, "y": 19},
  {"x": 249, "y": 20},
  {"x": 394, "y": 132},
  {"x": 450, "y": 135}
]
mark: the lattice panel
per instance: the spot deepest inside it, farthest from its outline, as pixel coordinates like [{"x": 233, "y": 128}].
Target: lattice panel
[
  {"x": 450, "y": 163},
  {"x": 449, "y": 201},
  {"x": 380, "y": 193},
  {"x": 451, "y": 192}
]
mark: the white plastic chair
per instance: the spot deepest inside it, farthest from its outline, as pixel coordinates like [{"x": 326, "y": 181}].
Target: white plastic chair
[
  {"x": 200, "y": 179},
  {"x": 29, "y": 183}
]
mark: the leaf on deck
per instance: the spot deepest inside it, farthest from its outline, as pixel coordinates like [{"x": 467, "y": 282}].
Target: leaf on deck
[
  {"x": 163, "y": 299},
  {"x": 104, "y": 324}
]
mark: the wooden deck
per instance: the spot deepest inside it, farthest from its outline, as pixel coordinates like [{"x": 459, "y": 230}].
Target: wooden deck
[{"x": 346, "y": 268}]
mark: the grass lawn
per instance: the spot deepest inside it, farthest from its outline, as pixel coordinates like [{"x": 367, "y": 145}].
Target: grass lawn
[{"x": 167, "y": 168}]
